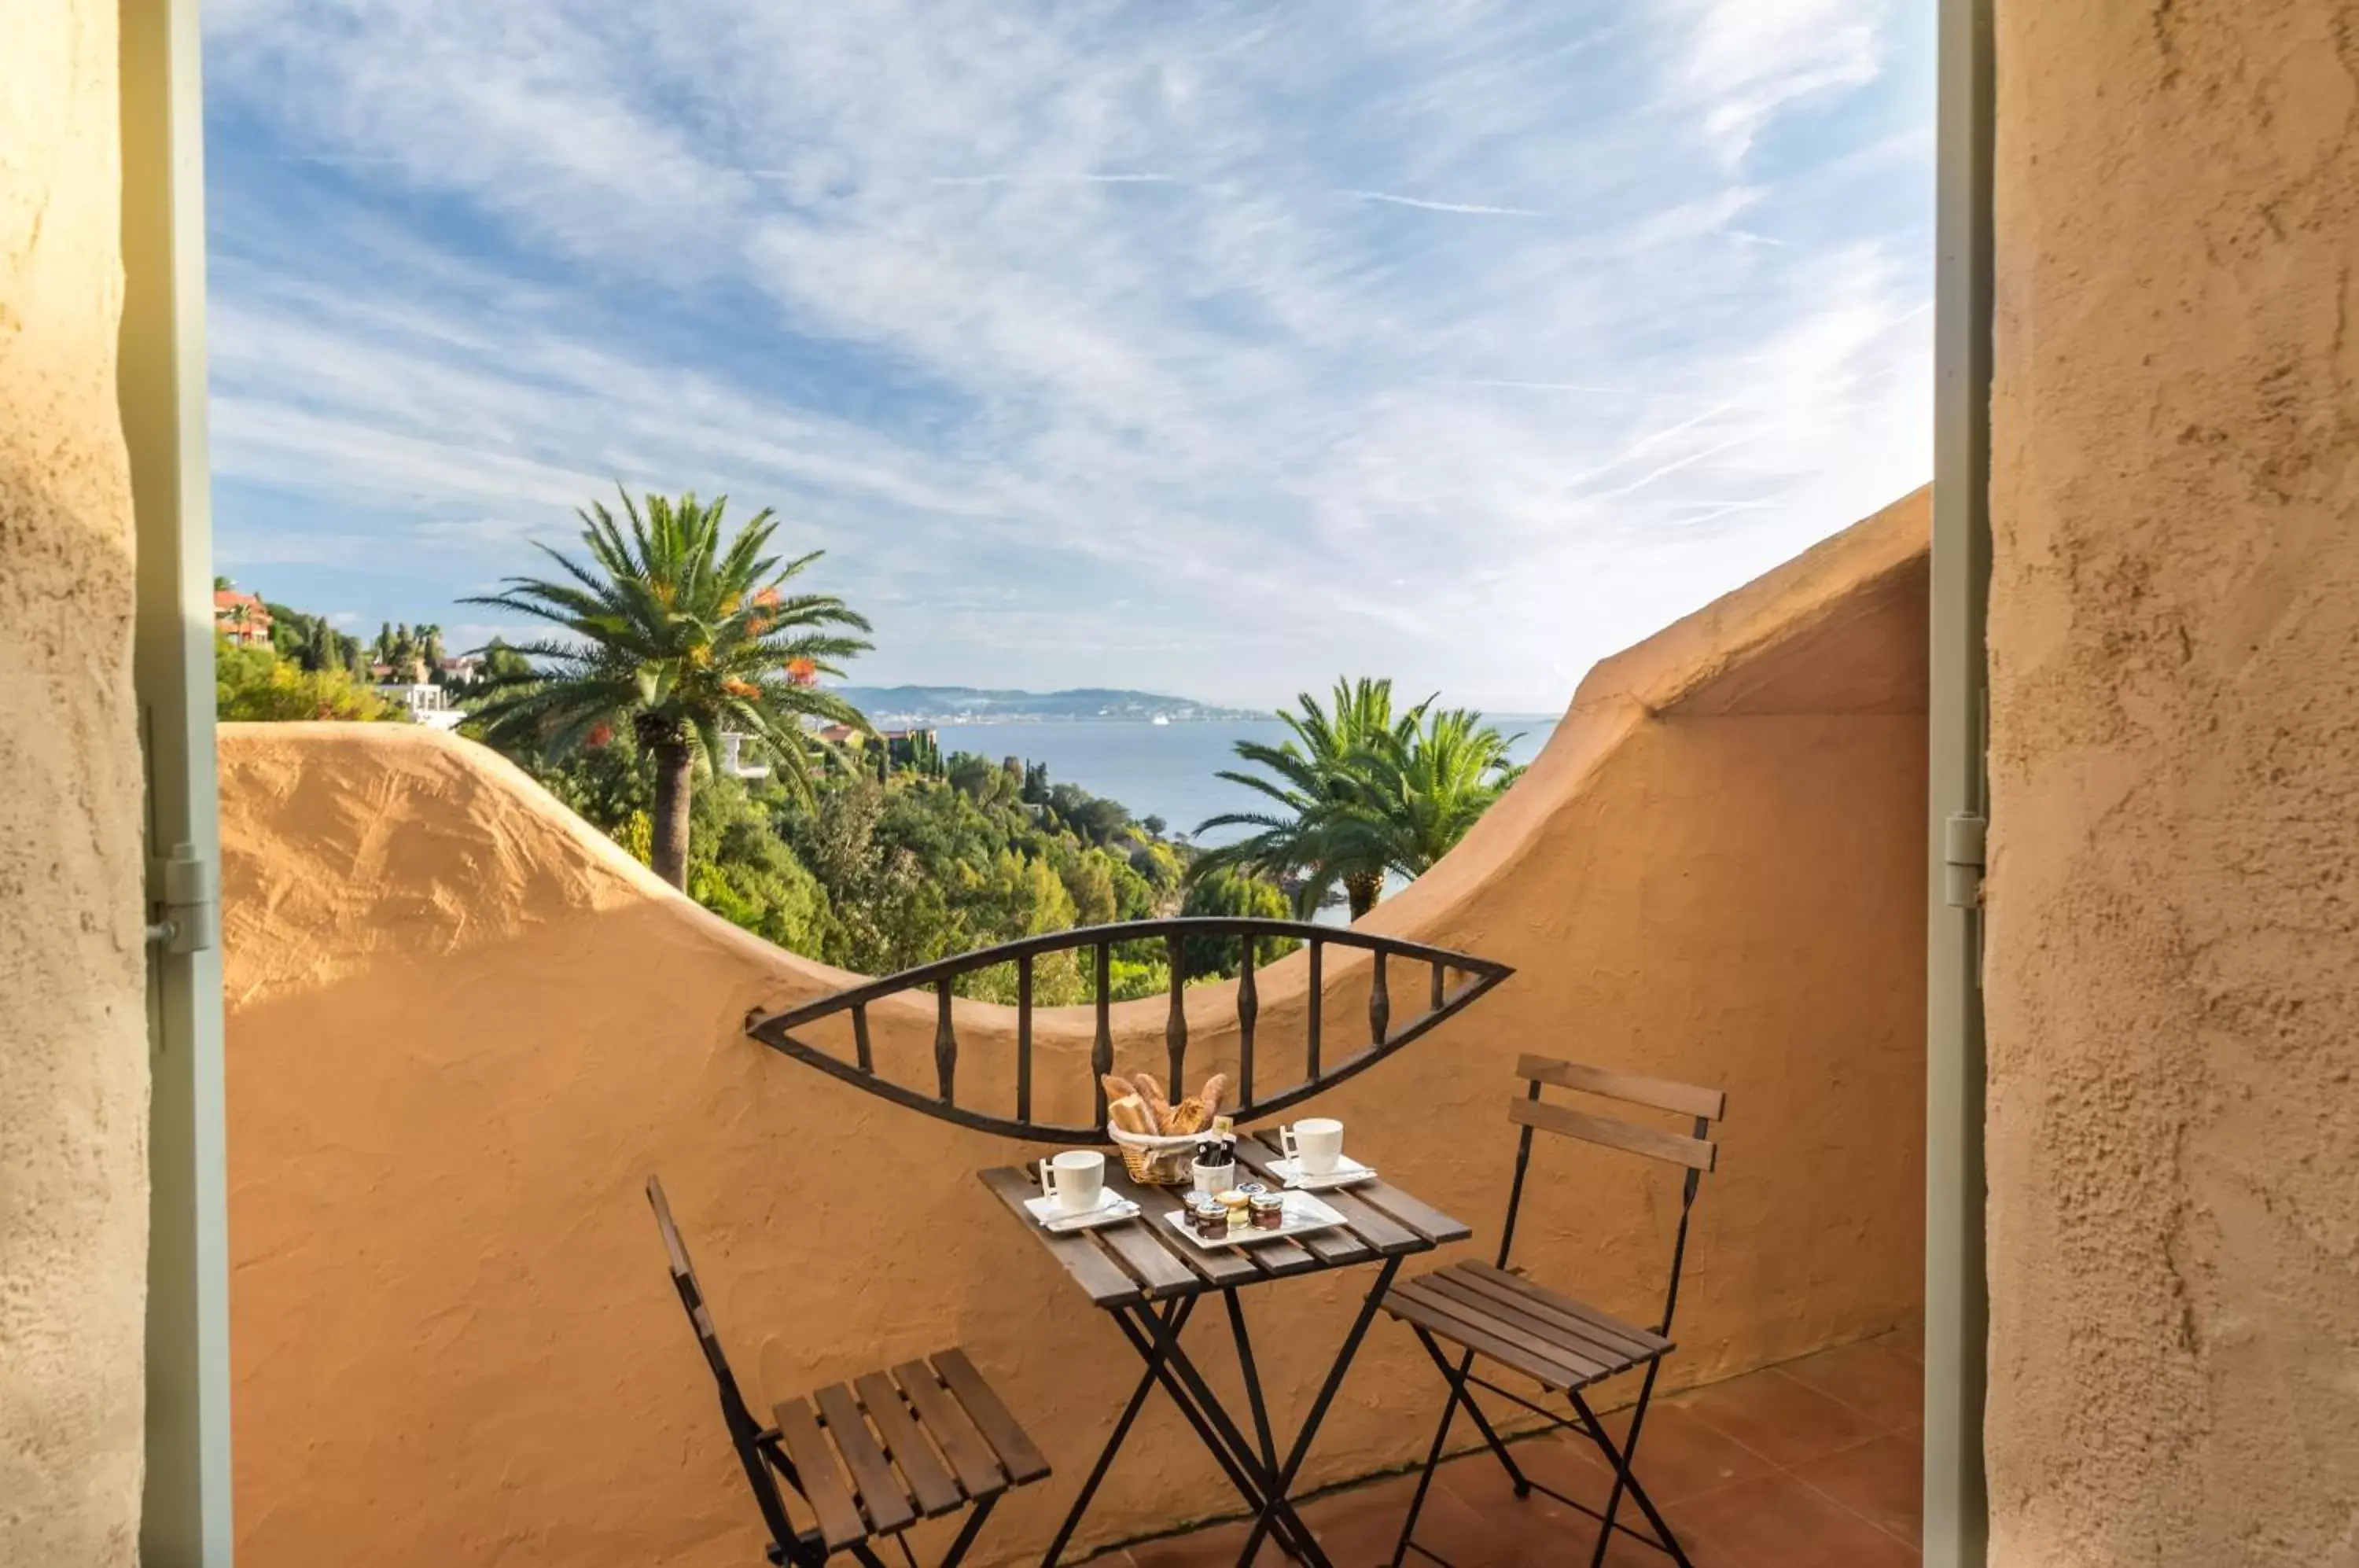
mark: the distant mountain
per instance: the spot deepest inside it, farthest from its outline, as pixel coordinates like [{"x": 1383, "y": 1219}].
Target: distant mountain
[{"x": 946, "y": 704}]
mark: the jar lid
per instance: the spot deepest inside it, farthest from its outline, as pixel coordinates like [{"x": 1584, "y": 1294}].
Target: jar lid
[{"x": 1269, "y": 1200}]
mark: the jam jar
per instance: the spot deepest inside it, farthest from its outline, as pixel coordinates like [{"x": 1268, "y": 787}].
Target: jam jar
[{"x": 1267, "y": 1211}]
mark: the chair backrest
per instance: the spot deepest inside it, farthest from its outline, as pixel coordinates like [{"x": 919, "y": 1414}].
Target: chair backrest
[
  {"x": 747, "y": 1435},
  {"x": 1694, "y": 1149}
]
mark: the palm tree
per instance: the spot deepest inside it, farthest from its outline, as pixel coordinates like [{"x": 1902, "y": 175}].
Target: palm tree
[
  {"x": 1428, "y": 791},
  {"x": 1328, "y": 828},
  {"x": 683, "y": 633},
  {"x": 1363, "y": 793}
]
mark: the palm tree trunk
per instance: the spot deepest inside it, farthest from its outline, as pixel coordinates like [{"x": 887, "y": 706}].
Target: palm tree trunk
[
  {"x": 668, "y": 852},
  {"x": 1363, "y": 892}
]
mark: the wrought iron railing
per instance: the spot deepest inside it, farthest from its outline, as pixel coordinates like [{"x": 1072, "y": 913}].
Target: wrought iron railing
[{"x": 1452, "y": 981}]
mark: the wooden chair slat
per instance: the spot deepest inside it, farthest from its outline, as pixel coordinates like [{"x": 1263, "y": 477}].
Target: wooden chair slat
[
  {"x": 822, "y": 1482},
  {"x": 1602, "y": 1345},
  {"x": 970, "y": 1455},
  {"x": 1572, "y": 1344},
  {"x": 881, "y": 1495},
  {"x": 1522, "y": 1333},
  {"x": 929, "y": 1480},
  {"x": 1018, "y": 1456},
  {"x": 1541, "y": 1368},
  {"x": 1639, "y": 1338},
  {"x": 1662, "y": 1094},
  {"x": 1091, "y": 1270},
  {"x": 1696, "y": 1153}
]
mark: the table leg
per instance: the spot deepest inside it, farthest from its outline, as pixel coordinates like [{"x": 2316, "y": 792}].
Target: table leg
[
  {"x": 1177, "y": 1312},
  {"x": 1229, "y": 1445},
  {"x": 1284, "y": 1480}
]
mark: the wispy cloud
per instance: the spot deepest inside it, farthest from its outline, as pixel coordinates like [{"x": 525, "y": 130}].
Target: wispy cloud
[
  {"x": 1423, "y": 205},
  {"x": 1412, "y": 339}
]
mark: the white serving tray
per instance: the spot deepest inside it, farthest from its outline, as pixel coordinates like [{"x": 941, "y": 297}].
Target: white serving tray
[
  {"x": 1347, "y": 1171},
  {"x": 1113, "y": 1209},
  {"x": 1304, "y": 1215}
]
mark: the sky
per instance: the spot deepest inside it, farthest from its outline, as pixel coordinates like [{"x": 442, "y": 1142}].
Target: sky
[{"x": 1213, "y": 349}]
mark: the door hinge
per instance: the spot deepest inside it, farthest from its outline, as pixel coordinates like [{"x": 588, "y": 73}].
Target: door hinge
[
  {"x": 185, "y": 901},
  {"x": 1963, "y": 837}
]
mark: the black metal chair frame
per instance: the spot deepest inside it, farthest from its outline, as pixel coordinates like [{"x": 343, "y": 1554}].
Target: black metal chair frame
[
  {"x": 760, "y": 1450},
  {"x": 1463, "y": 1380}
]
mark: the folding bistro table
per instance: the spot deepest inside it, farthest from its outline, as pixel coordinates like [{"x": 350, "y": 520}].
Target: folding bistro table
[{"x": 1149, "y": 1279}]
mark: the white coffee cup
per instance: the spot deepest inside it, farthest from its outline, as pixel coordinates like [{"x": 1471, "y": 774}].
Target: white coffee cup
[
  {"x": 1314, "y": 1144},
  {"x": 1076, "y": 1179}
]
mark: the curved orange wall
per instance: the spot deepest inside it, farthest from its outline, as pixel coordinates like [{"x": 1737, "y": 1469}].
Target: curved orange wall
[{"x": 464, "y": 1027}]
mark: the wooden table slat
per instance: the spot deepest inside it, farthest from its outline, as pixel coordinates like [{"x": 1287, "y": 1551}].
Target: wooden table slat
[
  {"x": 1097, "y": 1274},
  {"x": 1378, "y": 1230},
  {"x": 930, "y": 1481},
  {"x": 1149, "y": 1249},
  {"x": 969, "y": 1453},
  {"x": 1418, "y": 1215},
  {"x": 1018, "y": 1456},
  {"x": 1283, "y": 1256},
  {"x": 1220, "y": 1264},
  {"x": 823, "y": 1486},
  {"x": 882, "y": 1496}
]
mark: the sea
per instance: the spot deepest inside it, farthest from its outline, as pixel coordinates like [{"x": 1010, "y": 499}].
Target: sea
[{"x": 1164, "y": 770}]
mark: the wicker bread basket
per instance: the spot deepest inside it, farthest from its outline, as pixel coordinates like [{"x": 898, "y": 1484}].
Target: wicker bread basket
[{"x": 1157, "y": 1161}]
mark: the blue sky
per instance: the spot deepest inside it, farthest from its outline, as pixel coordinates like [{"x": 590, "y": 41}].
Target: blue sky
[{"x": 1210, "y": 348}]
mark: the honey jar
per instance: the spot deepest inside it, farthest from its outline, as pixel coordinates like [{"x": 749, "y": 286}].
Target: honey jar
[{"x": 1267, "y": 1211}]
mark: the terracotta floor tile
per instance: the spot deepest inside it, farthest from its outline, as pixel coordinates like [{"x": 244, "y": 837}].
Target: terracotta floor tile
[
  {"x": 1359, "y": 1528},
  {"x": 1784, "y": 1421},
  {"x": 1679, "y": 1455},
  {"x": 1882, "y": 1480},
  {"x": 1872, "y": 1378},
  {"x": 1778, "y": 1523}
]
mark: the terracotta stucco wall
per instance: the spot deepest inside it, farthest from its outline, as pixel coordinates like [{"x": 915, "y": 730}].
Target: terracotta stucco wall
[
  {"x": 2173, "y": 960},
  {"x": 463, "y": 1027},
  {"x": 73, "y": 1206}
]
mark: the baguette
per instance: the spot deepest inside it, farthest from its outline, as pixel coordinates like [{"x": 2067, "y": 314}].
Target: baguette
[
  {"x": 1129, "y": 1114},
  {"x": 1189, "y": 1115},
  {"x": 1216, "y": 1089},
  {"x": 1117, "y": 1087},
  {"x": 1157, "y": 1105}
]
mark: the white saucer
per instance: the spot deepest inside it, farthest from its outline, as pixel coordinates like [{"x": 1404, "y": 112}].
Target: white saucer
[
  {"x": 1112, "y": 1207},
  {"x": 1347, "y": 1171}
]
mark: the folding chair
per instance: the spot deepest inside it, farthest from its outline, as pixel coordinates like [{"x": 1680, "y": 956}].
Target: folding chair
[
  {"x": 1563, "y": 1345},
  {"x": 875, "y": 1454}
]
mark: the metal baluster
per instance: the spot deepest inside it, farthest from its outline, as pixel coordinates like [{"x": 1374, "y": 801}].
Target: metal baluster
[
  {"x": 1248, "y": 1009},
  {"x": 1380, "y": 1003},
  {"x": 1175, "y": 1028},
  {"x": 1318, "y": 1001},
  {"x": 1024, "y": 1039},
  {"x": 859, "y": 1039},
  {"x": 1102, "y": 1048},
  {"x": 1441, "y": 986},
  {"x": 945, "y": 1041}
]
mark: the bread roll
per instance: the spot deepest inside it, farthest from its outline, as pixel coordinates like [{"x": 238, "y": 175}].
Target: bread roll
[
  {"x": 1216, "y": 1089},
  {"x": 1129, "y": 1114}
]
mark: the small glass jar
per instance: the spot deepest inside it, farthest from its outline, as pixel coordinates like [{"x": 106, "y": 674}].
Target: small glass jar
[
  {"x": 1237, "y": 1207},
  {"x": 1267, "y": 1211},
  {"x": 1208, "y": 1218}
]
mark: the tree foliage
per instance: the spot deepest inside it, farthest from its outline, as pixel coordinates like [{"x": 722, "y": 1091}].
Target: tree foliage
[{"x": 256, "y": 683}]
